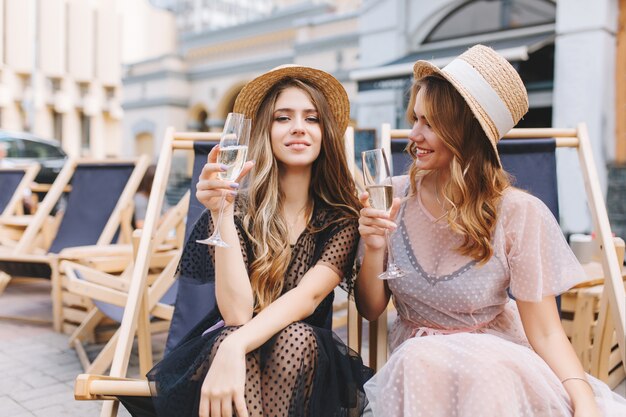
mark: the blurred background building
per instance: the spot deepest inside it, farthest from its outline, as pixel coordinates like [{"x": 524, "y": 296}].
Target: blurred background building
[{"x": 106, "y": 77}]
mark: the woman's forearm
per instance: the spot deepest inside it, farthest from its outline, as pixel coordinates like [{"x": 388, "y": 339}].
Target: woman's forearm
[
  {"x": 295, "y": 305},
  {"x": 546, "y": 336},
  {"x": 233, "y": 292},
  {"x": 372, "y": 296}
]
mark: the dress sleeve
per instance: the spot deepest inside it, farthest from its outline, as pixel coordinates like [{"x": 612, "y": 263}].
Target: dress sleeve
[
  {"x": 197, "y": 262},
  {"x": 540, "y": 260},
  {"x": 339, "y": 250}
]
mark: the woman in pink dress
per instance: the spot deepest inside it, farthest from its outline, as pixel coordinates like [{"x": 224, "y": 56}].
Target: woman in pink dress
[{"x": 464, "y": 236}]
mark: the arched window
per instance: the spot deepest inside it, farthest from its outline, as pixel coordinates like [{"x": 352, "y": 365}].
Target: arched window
[{"x": 485, "y": 16}]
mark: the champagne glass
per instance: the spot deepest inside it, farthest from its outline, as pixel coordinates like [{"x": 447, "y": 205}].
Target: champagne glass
[
  {"x": 232, "y": 154},
  {"x": 377, "y": 179}
]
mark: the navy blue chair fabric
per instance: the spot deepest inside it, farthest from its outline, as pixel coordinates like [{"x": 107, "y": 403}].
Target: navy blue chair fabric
[
  {"x": 96, "y": 189},
  {"x": 9, "y": 180},
  {"x": 95, "y": 192},
  {"x": 531, "y": 162},
  {"x": 193, "y": 300}
]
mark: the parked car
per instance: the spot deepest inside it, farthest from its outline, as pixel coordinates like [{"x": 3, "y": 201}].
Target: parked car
[{"x": 25, "y": 148}]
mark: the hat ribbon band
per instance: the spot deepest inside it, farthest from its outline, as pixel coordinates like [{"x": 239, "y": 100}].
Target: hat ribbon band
[{"x": 483, "y": 93}]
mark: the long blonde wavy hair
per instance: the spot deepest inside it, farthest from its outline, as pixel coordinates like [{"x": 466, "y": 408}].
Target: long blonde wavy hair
[
  {"x": 476, "y": 179},
  {"x": 264, "y": 223}
]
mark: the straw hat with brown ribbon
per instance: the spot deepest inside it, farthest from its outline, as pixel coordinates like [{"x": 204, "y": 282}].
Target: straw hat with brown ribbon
[
  {"x": 489, "y": 84},
  {"x": 253, "y": 93}
]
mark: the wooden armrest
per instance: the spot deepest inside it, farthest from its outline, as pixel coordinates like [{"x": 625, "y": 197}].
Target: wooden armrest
[
  {"x": 103, "y": 387},
  {"x": 80, "y": 252},
  {"x": 44, "y": 188},
  {"x": 595, "y": 274},
  {"x": 90, "y": 275},
  {"x": 16, "y": 221}
]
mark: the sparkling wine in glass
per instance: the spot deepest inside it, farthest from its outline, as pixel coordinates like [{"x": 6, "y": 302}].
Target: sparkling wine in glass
[
  {"x": 377, "y": 179},
  {"x": 232, "y": 154}
]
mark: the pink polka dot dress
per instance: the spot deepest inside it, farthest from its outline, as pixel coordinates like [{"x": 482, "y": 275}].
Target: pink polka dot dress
[{"x": 458, "y": 346}]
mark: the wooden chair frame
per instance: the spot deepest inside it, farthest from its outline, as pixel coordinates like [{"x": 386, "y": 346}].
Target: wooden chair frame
[
  {"x": 100, "y": 387},
  {"x": 612, "y": 309},
  {"x": 101, "y": 286},
  {"x": 26, "y": 250}
]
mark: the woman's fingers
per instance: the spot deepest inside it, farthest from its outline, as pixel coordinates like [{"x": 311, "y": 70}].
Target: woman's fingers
[
  {"x": 364, "y": 197},
  {"x": 395, "y": 208},
  {"x": 203, "y": 408},
  {"x": 240, "y": 405},
  {"x": 227, "y": 407},
  {"x": 212, "y": 184},
  {"x": 247, "y": 167},
  {"x": 216, "y": 407}
]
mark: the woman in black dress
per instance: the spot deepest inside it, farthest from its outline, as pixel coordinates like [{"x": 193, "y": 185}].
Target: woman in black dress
[{"x": 266, "y": 350}]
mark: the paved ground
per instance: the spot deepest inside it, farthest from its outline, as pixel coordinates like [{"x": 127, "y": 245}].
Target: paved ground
[{"x": 37, "y": 366}]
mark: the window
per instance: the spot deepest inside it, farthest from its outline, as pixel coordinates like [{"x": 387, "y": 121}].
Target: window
[
  {"x": 484, "y": 16},
  {"x": 11, "y": 146},
  {"x": 85, "y": 132},
  {"x": 57, "y": 125},
  {"x": 40, "y": 150}
]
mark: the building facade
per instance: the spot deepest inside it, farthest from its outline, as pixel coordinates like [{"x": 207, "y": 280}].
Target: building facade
[
  {"x": 564, "y": 51},
  {"x": 61, "y": 73}
]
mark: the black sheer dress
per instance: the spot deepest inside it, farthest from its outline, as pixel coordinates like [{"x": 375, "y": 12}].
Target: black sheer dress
[{"x": 303, "y": 371}]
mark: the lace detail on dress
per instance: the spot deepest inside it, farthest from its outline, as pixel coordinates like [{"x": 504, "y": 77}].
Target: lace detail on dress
[{"x": 432, "y": 279}]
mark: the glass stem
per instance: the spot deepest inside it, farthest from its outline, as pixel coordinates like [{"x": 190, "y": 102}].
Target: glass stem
[
  {"x": 391, "y": 260},
  {"x": 216, "y": 233}
]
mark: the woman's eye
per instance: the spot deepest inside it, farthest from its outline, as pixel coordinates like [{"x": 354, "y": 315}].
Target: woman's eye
[
  {"x": 281, "y": 118},
  {"x": 313, "y": 119}
]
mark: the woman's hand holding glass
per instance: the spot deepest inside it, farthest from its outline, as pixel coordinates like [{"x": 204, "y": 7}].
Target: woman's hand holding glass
[
  {"x": 374, "y": 223},
  {"x": 228, "y": 161},
  {"x": 211, "y": 188},
  {"x": 376, "y": 220}
]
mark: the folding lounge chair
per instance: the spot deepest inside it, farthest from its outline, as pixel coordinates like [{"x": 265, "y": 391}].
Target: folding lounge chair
[
  {"x": 193, "y": 301},
  {"x": 101, "y": 193},
  {"x": 521, "y": 149},
  {"x": 13, "y": 183},
  {"x": 108, "y": 292}
]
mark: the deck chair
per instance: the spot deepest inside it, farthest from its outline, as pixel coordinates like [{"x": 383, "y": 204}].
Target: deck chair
[
  {"x": 13, "y": 183},
  {"x": 135, "y": 319},
  {"x": 521, "y": 149},
  {"x": 102, "y": 191},
  {"x": 109, "y": 292},
  {"x": 192, "y": 298}
]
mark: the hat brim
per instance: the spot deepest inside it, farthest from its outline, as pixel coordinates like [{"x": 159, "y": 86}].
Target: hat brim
[
  {"x": 252, "y": 95},
  {"x": 423, "y": 69}
]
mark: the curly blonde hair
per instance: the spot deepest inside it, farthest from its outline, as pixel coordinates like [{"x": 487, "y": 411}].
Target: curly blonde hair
[
  {"x": 264, "y": 223},
  {"x": 477, "y": 180}
]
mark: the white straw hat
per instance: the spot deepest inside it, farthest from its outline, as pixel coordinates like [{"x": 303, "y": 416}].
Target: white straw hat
[{"x": 489, "y": 84}]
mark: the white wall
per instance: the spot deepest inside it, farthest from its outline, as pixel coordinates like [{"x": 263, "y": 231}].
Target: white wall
[
  {"x": 148, "y": 32},
  {"x": 584, "y": 84}
]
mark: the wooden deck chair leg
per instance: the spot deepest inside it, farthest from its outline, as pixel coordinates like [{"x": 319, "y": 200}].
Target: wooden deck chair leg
[
  {"x": 86, "y": 328},
  {"x": 355, "y": 323},
  {"x": 144, "y": 341},
  {"x": 57, "y": 295},
  {"x": 102, "y": 362},
  {"x": 109, "y": 408},
  {"x": 4, "y": 281},
  {"x": 581, "y": 333},
  {"x": 378, "y": 342}
]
